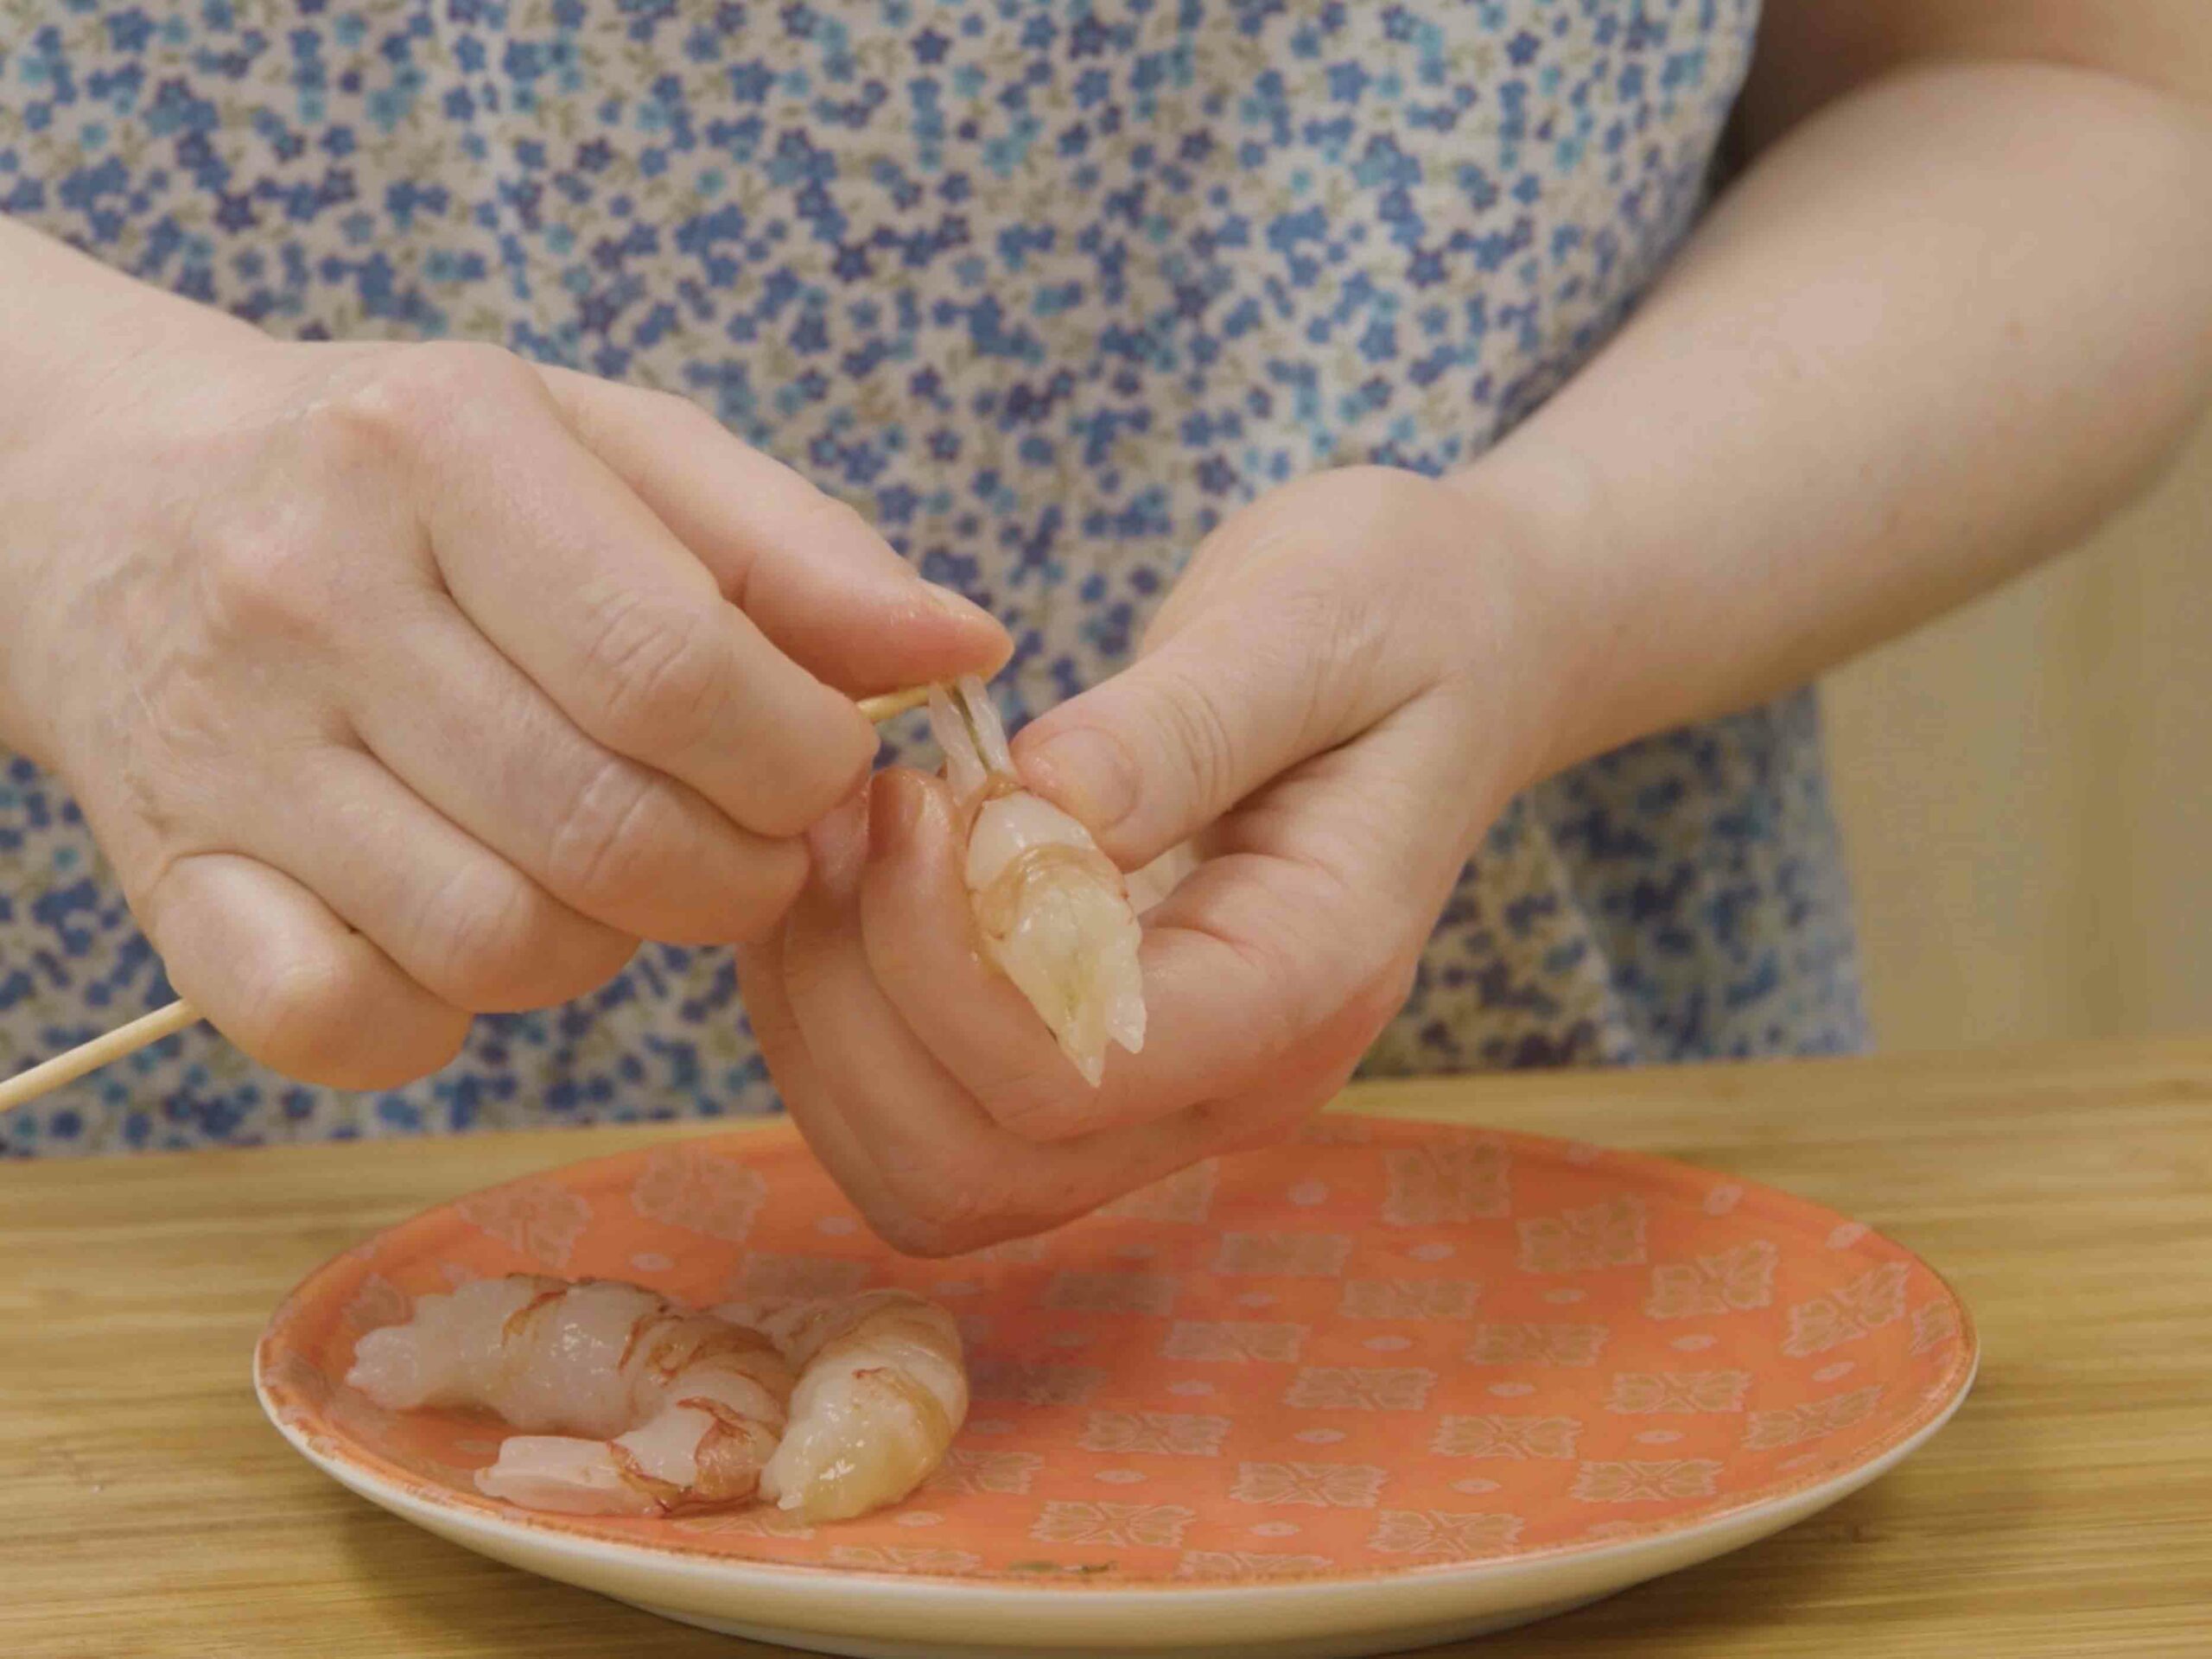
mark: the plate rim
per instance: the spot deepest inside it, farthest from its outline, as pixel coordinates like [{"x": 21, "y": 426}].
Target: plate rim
[{"x": 1781, "y": 1502}]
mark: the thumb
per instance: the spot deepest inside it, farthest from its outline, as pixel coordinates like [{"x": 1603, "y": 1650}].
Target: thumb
[
  {"x": 1238, "y": 695},
  {"x": 810, "y": 573}
]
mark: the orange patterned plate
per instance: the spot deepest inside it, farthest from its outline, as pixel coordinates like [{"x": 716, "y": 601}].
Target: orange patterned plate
[{"x": 1395, "y": 1383}]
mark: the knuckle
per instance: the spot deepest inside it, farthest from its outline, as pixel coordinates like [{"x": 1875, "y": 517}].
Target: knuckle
[
  {"x": 678, "y": 410},
  {"x": 297, "y": 1013},
  {"x": 411, "y": 395},
  {"x": 609, "y": 849},
  {"x": 267, "y": 581},
  {"x": 485, "y": 941},
  {"x": 1195, "y": 729},
  {"x": 662, "y": 674},
  {"x": 1337, "y": 631},
  {"x": 302, "y": 1017},
  {"x": 829, "y": 516}
]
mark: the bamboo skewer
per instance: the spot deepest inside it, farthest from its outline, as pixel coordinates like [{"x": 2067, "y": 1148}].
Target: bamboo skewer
[
  {"x": 891, "y": 704},
  {"x": 50, "y": 1075},
  {"x": 66, "y": 1067}
]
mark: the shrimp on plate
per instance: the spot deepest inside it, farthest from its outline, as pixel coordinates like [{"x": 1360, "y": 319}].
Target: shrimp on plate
[
  {"x": 1053, "y": 911},
  {"x": 882, "y": 1390},
  {"x": 630, "y": 1404}
]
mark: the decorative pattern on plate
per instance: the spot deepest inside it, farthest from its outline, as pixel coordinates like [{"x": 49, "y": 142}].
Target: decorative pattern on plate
[
  {"x": 768, "y": 1276},
  {"x": 536, "y": 1219},
  {"x": 1432, "y": 1185},
  {"x": 1157, "y": 1526},
  {"x": 1232, "y": 1340},
  {"x": 1184, "y": 1197},
  {"x": 966, "y": 1470},
  {"x": 1608, "y": 1235},
  {"x": 1810, "y": 1421},
  {"x": 1132, "y": 1426},
  {"x": 1647, "y": 1391},
  {"x": 1846, "y": 1314},
  {"x": 1408, "y": 1299},
  {"x": 1361, "y": 1388},
  {"x": 1505, "y": 1437},
  {"x": 1166, "y": 1434},
  {"x": 1538, "y": 1344},
  {"x": 1734, "y": 1281},
  {"x": 693, "y": 1188},
  {"x": 1432, "y": 1532}
]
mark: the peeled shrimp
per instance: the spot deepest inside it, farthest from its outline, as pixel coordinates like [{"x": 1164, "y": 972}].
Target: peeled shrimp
[
  {"x": 652, "y": 1408},
  {"x": 882, "y": 1390},
  {"x": 1054, "y": 912}
]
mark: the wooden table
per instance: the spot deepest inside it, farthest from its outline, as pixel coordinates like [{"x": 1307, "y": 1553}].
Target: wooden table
[{"x": 148, "y": 1510}]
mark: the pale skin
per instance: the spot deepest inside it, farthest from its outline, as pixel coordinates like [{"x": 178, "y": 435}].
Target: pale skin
[{"x": 268, "y": 602}]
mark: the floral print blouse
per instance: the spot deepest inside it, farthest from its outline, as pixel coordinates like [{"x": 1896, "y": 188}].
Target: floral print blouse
[{"x": 1046, "y": 288}]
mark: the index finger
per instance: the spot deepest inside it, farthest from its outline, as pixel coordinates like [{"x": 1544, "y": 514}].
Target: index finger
[
  {"x": 578, "y": 584},
  {"x": 813, "y": 574}
]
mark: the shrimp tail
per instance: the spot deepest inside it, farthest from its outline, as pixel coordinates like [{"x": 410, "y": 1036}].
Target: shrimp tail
[
  {"x": 1053, "y": 913},
  {"x": 882, "y": 1390}
]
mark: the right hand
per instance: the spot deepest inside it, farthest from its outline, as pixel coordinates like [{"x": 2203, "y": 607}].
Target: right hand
[{"x": 403, "y": 683}]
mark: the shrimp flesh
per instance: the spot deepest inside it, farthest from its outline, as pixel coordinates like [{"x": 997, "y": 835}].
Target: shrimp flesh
[
  {"x": 630, "y": 1405},
  {"x": 882, "y": 1390},
  {"x": 1053, "y": 912}
]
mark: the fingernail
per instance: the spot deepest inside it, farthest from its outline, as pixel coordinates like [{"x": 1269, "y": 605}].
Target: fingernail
[
  {"x": 1088, "y": 773},
  {"x": 956, "y": 605}
]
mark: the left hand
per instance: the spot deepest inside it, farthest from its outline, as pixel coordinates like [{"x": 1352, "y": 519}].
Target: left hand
[{"x": 1343, "y": 690}]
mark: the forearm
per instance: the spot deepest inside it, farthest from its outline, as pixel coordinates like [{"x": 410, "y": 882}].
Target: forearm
[
  {"x": 67, "y": 322},
  {"x": 1933, "y": 336}
]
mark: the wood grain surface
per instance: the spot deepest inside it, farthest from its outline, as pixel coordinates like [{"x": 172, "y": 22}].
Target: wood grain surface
[{"x": 147, "y": 1510}]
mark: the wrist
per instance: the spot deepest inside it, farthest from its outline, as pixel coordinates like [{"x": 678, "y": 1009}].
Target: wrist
[
  {"x": 1543, "y": 505},
  {"x": 74, "y": 340},
  {"x": 71, "y": 328}
]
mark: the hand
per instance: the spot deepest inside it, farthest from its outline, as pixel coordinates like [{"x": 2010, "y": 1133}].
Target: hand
[
  {"x": 403, "y": 683},
  {"x": 1340, "y": 693}
]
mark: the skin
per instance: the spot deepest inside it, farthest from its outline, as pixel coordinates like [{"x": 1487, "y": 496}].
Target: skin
[
  {"x": 1958, "y": 308},
  {"x": 402, "y": 683}
]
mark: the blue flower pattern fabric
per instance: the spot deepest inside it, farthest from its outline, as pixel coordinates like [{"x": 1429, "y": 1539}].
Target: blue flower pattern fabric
[{"x": 1046, "y": 288}]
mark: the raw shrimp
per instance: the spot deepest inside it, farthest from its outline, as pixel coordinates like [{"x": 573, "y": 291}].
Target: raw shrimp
[
  {"x": 882, "y": 1390},
  {"x": 1053, "y": 912},
  {"x": 653, "y": 1409}
]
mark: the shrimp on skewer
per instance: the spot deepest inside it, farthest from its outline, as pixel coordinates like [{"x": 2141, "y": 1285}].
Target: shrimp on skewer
[
  {"x": 882, "y": 1390},
  {"x": 652, "y": 1408},
  {"x": 1053, "y": 912}
]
